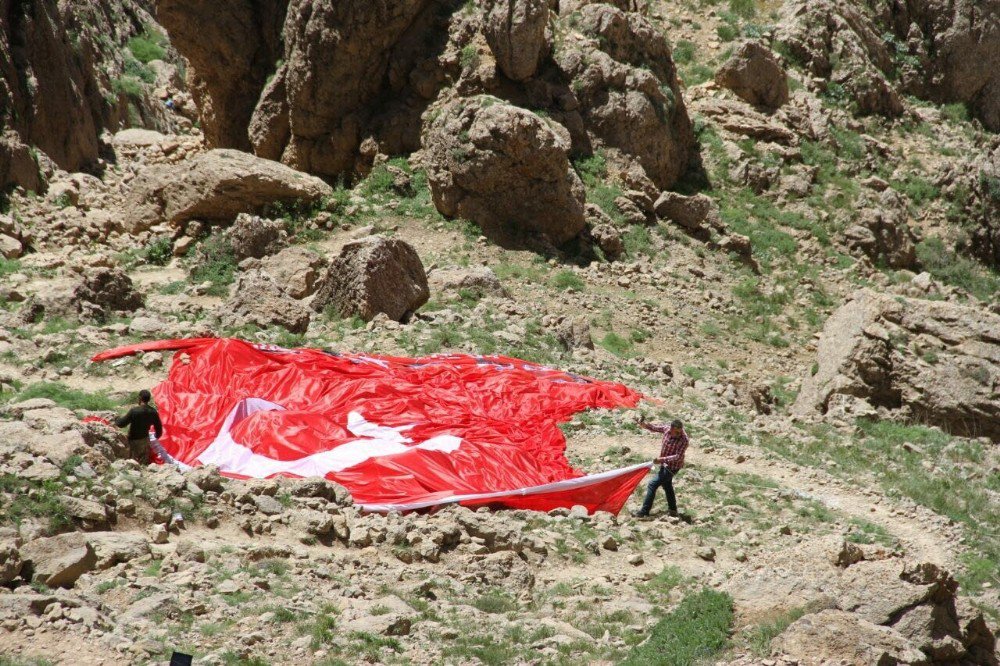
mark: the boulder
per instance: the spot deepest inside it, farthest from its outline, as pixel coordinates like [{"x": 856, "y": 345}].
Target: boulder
[
  {"x": 136, "y": 137},
  {"x": 253, "y": 236},
  {"x": 84, "y": 509},
  {"x": 216, "y": 185},
  {"x": 59, "y": 560},
  {"x": 296, "y": 268},
  {"x": 105, "y": 292},
  {"x": 504, "y": 168},
  {"x": 936, "y": 362},
  {"x": 833, "y": 635},
  {"x": 10, "y": 561},
  {"x": 882, "y": 232},
  {"x": 10, "y": 247},
  {"x": 479, "y": 280},
  {"x": 515, "y": 31},
  {"x": 755, "y": 74},
  {"x": 609, "y": 239},
  {"x": 696, "y": 214},
  {"x": 257, "y": 300},
  {"x": 113, "y": 548},
  {"x": 372, "y": 275}
]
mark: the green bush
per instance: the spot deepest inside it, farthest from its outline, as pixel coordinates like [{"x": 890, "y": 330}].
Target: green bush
[
  {"x": 684, "y": 52},
  {"x": 128, "y": 86},
  {"x": 567, "y": 280},
  {"x": 727, "y": 33},
  {"x": 158, "y": 251},
  {"x": 148, "y": 46},
  {"x": 743, "y": 8},
  {"x": 694, "y": 632},
  {"x": 616, "y": 344},
  {"x": 215, "y": 263}
]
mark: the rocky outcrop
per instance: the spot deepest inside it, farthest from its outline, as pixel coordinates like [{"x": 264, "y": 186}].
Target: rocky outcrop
[
  {"x": 257, "y": 300},
  {"x": 372, "y": 275},
  {"x": 935, "y": 49},
  {"x": 515, "y": 31},
  {"x": 61, "y": 68},
  {"x": 950, "y": 51},
  {"x": 218, "y": 185},
  {"x": 983, "y": 208},
  {"x": 231, "y": 50},
  {"x": 876, "y": 607},
  {"x": 755, "y": 74},
  {"x": 882, "y": 232},
  {"x": 480, "y": 281},
  {"x": 504, "y": 168},
  {"x": 932, "y": 361},
  {"x": 625, "y": 91}
]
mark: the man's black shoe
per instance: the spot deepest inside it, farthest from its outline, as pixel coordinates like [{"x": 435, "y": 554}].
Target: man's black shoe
[{"x": 639, "y": 514}]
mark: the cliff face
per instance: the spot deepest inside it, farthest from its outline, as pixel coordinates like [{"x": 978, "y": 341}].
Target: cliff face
[{"x": 66, "y": 74}]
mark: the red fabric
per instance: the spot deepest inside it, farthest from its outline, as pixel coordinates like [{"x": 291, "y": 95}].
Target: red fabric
[{"x": 505, "y": 412}]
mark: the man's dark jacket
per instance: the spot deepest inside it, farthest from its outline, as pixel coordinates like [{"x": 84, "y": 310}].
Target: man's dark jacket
[{"x": 138, "y": 421}]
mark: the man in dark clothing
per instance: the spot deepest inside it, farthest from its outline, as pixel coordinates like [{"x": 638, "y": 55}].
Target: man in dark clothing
[
  {"x": 671, "y": 459},
  {"x": 138, "y": 419}
]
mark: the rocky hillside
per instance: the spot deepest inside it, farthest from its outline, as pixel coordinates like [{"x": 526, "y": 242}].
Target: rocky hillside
[{"x": 780, "y": 221}]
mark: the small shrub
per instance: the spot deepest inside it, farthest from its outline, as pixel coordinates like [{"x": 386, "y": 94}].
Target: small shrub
[
  {"x": 956, "y": 112},
  {"x": 743, "y": 8},
  {"x": 616, "y": 344},
  {"x": 697, "y": 630},
  {"x": 148, "y": 46},
  {"x": 215, "y": 263},
  {"x": 759, "y": 638},
  {"x": 950, "y": 268},
  {"x": 567, "y": 280},
  {"x": 158, "y": 251},
  {"x": 495, "y": 601},
  {"x": 684, "y": 52},
  {"x": 727, "y": 32}
]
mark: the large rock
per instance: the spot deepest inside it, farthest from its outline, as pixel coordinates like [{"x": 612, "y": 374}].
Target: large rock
[
  {"x": 882, "y": 232},
  {"x": 336, "y": 65},
  {"x": 625, "y": 91},
  {"x": 104, "y": 293},
  {"x": 515, "y": 31},
  {"x": 59, "y": 560},
  {"x": 983, "y": 207},
  {"x": 835, "y": 636},
  {"x": 296, "y": 269},
  {"x": 478, "y": 280},
  {"x": 216, "y": 185},
  {"x": 504, "y": 168},
  {"x": 10, "y": 561},
  {"x": 257, "y": 300},
  {"x": 113, "y": 548},
  {"x": 59, "y": 62},
  {"x": 254, "y": 236},
  {"x": 938, "y": 362},
  {"x": 231, "y": 50},
  {"x": 372, "y": 275},
  {"x": 755, "y": 74}
]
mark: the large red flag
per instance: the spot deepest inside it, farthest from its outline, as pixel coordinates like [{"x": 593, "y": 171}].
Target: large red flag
[{"x": 398, "y": 433}]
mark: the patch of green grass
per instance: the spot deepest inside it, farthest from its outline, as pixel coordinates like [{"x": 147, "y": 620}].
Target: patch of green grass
[
  {"x": 593, "y": 171},
  {"x": 215, "y": 263},
  {"x": 616, "y": 344},
  {"x": 918, "y": 190},
  {"x": 727, "y": 32},
  {"x": 759, "y": 637},
  {"x": 231, "y": 658},
  {"x": 148, "y": 46},
  {"x": 68, "y": 397},
  {"x": 8, "y": 266},
  {"x": 23, "y": 498},
  {"x": 371, "y": 645},
  {"x": 128, "y": 86},
  {"x": 495, "y": 601},
  {"x": 948, "y": 267},
  {"x": 864, "y": 531},
  {"x": 684, "y": 52},
  {"x": 637, "y": 241},
  {"x": 695, "y": 631},
  {"x": 567, "y": 280}
]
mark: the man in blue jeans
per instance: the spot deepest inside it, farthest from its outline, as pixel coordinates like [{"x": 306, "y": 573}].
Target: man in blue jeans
[{"x": 671, "y": 460}]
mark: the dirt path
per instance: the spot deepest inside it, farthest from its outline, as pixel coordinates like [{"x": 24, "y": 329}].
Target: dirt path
[{"x": 917, "y": 531}]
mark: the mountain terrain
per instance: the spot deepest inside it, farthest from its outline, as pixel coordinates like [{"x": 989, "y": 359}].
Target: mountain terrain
[{"x": 779, "y": 221}]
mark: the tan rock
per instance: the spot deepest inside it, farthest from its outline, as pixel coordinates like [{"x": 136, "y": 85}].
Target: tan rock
[
  {"x": 372, "y": 275},
  {"x": 505, "y": 169},
  {"x": 833, "y": 635},
  {"x": 217, "y": 185},
  {"x": 515, "y": 31},
  {"x": 59, "y": 560},
  {"x": 755, "y": 74},
  {"x": 256, "y": 299}
]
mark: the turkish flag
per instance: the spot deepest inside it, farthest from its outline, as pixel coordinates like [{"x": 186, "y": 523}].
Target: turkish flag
[{"x": 398, "y": 433}]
